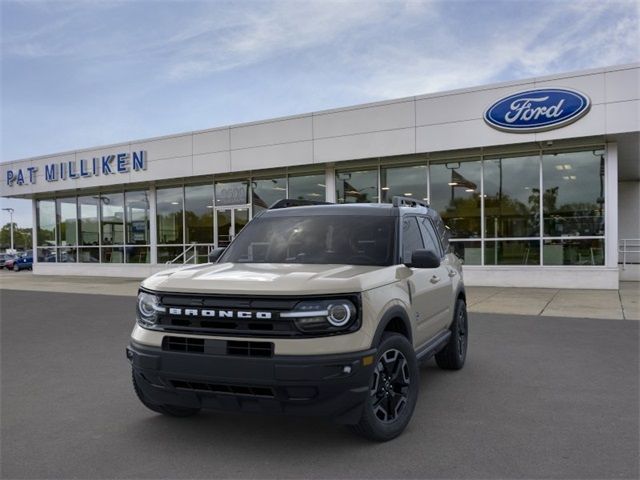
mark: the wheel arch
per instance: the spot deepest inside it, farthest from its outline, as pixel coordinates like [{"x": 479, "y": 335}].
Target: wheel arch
[{"x": 395, "y": 320}]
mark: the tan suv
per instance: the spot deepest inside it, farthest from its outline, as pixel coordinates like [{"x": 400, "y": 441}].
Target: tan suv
[{"x": 312, "y": 310}]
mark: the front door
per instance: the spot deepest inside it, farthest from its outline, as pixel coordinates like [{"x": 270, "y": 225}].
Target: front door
[{"x": 229, "y": 222}]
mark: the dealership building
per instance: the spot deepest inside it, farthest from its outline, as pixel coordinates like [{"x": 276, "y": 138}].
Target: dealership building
[{"x": 537, "y": 180}]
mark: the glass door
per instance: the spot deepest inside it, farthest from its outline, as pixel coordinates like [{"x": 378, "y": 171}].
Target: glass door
[{"x": 229, "y": 222}]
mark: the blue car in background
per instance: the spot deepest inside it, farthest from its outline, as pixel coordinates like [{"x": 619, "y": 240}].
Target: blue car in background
[{"x": 23, "y": 262}]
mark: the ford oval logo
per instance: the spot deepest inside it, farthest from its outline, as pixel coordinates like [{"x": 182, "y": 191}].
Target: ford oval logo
[{"x": 537, "y": 110}]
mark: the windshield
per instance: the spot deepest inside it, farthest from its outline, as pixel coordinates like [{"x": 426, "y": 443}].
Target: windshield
[{"x": 319, "y": 239}]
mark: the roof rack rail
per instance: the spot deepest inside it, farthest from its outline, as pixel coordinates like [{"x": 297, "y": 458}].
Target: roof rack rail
[
  {"x": 399, "y": 201},
  {"x": 292, "y": 202}
]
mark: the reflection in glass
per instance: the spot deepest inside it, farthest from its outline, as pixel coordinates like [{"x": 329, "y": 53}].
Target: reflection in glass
[
  {"x": 223, "y": 217},
  {"x": 46, "y": 222},
  {"x": 112, "y": 255},
  {"x": 67, "y": 255},
  {"x": 112, "y": 218},
  {"x": 198, "y": 211},
  {"x": 266, "y": 192},
  {"x": 167, "y": 254},
  {"x": 512, "y": 252},
  {"x": 307, "y": 187},
  {"x": 455, "y": 194},
  {"x": 169, "y": 215},
  {"x": 88, "y": 220},
  {"x": 89, "y": 255},
  {"x": 67, "y": 221},
  {"x": 357, "y": 187},
  {"x": 137, "y": 254},
  {"x": 405, "y": 181},
  {"x": 137, "y": 217},
  {"x": 232, "y": 193},
  {"x": 469, "y": 252},
  {"x": 573, "y": 199},
  {"x": 573, "y": 251},
  {"x": 512, "y": 197},
  {"x": 47, "y": 254}
]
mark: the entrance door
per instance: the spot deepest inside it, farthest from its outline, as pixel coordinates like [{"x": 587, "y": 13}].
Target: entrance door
[{"x": 229, "y": 222}]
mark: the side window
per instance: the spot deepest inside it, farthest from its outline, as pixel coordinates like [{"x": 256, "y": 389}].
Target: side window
[
  {"x": 430, "y": 238},
  {"x": 411, "y": 238}
]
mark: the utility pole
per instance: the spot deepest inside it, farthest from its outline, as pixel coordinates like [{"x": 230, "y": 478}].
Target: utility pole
[{"x": 10, "y": 210}]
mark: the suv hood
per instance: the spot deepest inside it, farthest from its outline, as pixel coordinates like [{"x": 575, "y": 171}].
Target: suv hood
[{"x": 271, "y": 279}]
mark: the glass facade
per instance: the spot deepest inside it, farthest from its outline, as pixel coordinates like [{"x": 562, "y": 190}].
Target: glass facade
[{"x": 541, "y": 208}]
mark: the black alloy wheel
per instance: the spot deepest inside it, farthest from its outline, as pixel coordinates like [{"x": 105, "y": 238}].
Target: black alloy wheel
[
  {"x": 453, "y": 356},
  {"x": 390, "y": 386}
]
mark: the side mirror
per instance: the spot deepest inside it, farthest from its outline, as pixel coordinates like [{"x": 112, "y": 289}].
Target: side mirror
[
  {"x": 424, "y": 259},
  {"x": 215, "y": 254}
]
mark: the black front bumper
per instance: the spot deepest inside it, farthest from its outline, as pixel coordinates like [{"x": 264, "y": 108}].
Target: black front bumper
[{"x": 332, "y": 386}]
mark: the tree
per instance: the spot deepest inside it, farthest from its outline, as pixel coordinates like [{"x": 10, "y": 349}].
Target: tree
[{"x": 21, "y": 237}]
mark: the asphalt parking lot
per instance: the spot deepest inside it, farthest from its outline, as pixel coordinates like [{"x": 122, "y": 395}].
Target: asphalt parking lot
[{"x": 540, "y": 397}]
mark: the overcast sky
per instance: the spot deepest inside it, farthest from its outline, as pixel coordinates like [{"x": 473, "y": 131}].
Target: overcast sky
[{"x": 86, "y": 73}]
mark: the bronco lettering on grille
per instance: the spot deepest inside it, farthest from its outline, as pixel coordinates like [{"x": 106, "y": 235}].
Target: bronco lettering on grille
[{"x": 194, "y": 312}]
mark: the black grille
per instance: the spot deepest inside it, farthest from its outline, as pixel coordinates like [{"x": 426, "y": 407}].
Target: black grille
[
  {"x": 254, "y": 391},
  {"x": 183, "y": 344},
  {"x": 250, "y": 349}
]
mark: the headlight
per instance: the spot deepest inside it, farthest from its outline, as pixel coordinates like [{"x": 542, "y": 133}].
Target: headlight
[
  {"x": 324, "y": 316},
  {"x": 148, "y": 308}
]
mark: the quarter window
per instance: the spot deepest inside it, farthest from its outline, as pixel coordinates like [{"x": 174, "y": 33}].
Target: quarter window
[{"x": 429, "y": 235}]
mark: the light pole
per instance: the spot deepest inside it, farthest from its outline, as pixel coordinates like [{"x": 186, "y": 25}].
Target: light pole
[{"x": 10, "y": 210}]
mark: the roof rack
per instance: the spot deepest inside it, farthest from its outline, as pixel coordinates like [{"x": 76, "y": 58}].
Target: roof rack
[
  {"x": 399, "y": 201},
  {"x": 292, "y": 202}
]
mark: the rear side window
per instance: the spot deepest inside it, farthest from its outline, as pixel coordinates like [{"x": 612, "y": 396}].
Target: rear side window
[
  {"x": 411, "y": 238},
  {"x": 431, "y": 241}
]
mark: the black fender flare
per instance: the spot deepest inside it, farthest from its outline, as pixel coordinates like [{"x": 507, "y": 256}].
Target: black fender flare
[{"x": 395, "y": 311}]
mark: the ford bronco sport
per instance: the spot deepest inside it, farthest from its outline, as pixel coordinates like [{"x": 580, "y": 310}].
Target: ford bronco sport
[{"x": 320, "y": 310}]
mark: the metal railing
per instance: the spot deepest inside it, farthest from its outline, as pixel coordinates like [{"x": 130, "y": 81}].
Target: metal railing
[
  {"x": 628, "y": 246},
  {"x": 191, "y": 249}
]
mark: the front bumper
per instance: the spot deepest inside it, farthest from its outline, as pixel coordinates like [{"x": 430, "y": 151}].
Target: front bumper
[{"x": 332, "y": 386}]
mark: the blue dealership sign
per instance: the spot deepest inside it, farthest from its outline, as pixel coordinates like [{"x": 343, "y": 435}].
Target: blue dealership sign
[{"x": 537, "y": 110}]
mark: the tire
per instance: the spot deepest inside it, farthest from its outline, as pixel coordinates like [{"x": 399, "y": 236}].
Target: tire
[
  {"x": 169, "y": 410},
  {"x": 394, "y": 387},
  {"x": 453, "y": 356},
  {"x": 16, "y": 268}
]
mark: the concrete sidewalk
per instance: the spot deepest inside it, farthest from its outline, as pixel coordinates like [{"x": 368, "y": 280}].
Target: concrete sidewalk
[{"x": 611, "y": 304}]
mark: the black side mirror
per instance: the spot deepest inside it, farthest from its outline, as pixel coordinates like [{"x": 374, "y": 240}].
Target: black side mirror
[
  {"x": 424, "y": 259},
  {"x": 215, "y": 254}
]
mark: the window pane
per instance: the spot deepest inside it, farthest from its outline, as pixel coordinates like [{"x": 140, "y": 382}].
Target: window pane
[
  {"x": 198, "y": 213},
  {"x": 112, "y": 255},
  {"x": 572, "y": 251},
  {"x": 573, "y": 199},
  {"x": 232, "y": 193},
  {"x": 89, "y": 255},
  {"x": 407, "y": 181},
  {"x": 469, "y": 252},
  {"x": 357, "y": 187},
  {"x": 112, "y": 218},
  {"x": 307, "y": 187},
  {"x": 88, "y": 221},
  {"x": 67, "y": 218},
  {"x": 137, "y": 217},
  {"x": 512, "y": 197},
  {"x": 455, "y": 194},
  {"x": 167, "y": 254},
  {"x": 46, "y": 213},
  {"x": 429, "y": 236},
  {"x": 137, "y": 254},
  {"x": 411, "y": 238},
  {"x": 267, "y": 192},
  {"x": 169, "y": 211},
  {"x": 512, "y": 252},
  {"x": 67, "y": 255},
  {"x": 47, "y": 255}
]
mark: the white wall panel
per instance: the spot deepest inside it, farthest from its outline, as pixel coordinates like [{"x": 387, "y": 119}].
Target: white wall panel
[
  {"x": 623, "y": 85},
  {"x": 378, "y": 144},
  {"x": 366, "y": 119},
  {"x": 282, "y": 155},
  {"x": 592, "y": 85},
  {"x": 179, "y": 167},
  {"x": 165, "y": 147},
  {"x": 213, "y": 141},
  {"x": 208, "y": 163},
  {"x": 623, "y": 117},
  {"x": 593, "y": 123},
  {"x": 271, "y": 133},
  {"x": 466, "y": 106}
]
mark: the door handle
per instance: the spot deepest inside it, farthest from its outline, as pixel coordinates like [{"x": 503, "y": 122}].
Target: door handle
[
  {"x": 452, "y": 273},
  {"x": 434, "y": 279}
]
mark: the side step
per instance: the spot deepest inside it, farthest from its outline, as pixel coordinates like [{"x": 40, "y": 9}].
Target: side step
[{"x": 433, "y": 346}]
